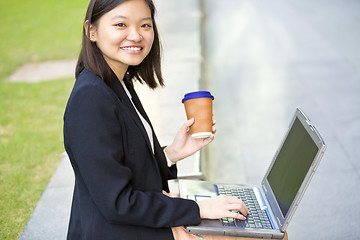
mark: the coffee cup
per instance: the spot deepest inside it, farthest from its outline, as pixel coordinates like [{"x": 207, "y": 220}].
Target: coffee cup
[{"x": 198, "y": 105}]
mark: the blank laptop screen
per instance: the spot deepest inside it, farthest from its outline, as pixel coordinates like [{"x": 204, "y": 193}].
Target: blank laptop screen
[{"x": 291, "y": 165}]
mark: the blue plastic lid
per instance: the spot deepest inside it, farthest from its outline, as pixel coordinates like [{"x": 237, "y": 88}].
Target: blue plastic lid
[{"x": 198, "y": 94}]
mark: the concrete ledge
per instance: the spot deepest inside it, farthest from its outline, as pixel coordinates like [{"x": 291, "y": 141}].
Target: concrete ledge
[{"x": 51, "y": 216}]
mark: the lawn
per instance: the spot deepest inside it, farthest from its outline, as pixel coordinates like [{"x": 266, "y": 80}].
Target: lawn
[
  {"x": 31, "y": 144},
  {"x": 31, "y": 113}
]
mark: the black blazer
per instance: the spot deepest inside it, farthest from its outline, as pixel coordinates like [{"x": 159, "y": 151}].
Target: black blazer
[{"x": 118, "y": 180}]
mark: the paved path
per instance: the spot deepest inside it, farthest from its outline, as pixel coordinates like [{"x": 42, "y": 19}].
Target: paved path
[{"x": 44, "y": 71}]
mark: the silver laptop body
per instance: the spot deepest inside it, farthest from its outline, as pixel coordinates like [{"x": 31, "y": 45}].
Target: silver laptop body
[{"x": 281, "y": 189}]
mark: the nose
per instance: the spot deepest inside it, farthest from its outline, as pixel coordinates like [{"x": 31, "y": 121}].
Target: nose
[{"x": 134, "y": 35}]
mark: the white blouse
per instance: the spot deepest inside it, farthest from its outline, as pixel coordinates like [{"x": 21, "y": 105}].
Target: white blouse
[
  {"x": 144, "y": 122},
  {"x": 146, "y": 125}
]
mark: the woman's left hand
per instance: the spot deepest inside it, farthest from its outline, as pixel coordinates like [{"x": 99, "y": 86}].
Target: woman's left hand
[{"x": 184, "y": 145}]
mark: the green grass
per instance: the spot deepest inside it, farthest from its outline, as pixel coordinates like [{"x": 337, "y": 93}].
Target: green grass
[
  {"x": 30, "y": 147},
  {"x": 31, "y": 114},
  {"x": 38, "y": 30}
]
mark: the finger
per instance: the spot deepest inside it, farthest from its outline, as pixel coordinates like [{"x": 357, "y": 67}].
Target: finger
[
  {"x": 233, "y": 199},
  {"x": 236, "y": 215},
  {"x": 237, "y": 204},
  {"x": 165, "y": 193},
  {"x": 244, "y": 209},
  {"x": 214, "y": 122},
  {"x": 208, "y": 139},
  {"x": 213, "y": 130},
  {"x": 185, "y": 127},
  {"x": 174, "y": 195},
  {"x": 240, "y": 207},
  {"x": 188, "y": 123}
]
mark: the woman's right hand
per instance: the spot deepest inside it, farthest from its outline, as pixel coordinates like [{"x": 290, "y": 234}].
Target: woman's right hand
[
  {"x": 222, "y": 207},
  {"x": 184, "y": 145}
]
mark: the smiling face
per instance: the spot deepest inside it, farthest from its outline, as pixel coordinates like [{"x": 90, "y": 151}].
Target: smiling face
[{"x": 124, "y": 35}]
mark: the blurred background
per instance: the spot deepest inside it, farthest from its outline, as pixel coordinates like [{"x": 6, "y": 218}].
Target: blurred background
[
  {"x": 262, "y": 60},
  {"x": 259, "y": 59}
]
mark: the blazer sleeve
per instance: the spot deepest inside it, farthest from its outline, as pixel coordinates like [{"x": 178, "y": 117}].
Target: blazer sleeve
[{"x": 94, "y": 139}]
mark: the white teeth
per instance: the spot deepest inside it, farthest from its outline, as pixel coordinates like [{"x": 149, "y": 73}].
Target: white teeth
[{"x": 131, "y": 48}]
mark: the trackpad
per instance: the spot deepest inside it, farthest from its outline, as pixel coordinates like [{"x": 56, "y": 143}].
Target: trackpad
[{"x": 198, "y": 197}]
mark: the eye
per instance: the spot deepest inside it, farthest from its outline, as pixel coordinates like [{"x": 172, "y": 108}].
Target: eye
[
  {"x": 121, "y": 25},
  {"x": 146, "y": 25}
]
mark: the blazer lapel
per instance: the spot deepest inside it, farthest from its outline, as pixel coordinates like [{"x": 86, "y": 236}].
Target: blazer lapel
[
  {"x": 120, "y": 92},
  {"x": 157, "y": 147},
  {"x": 137, "y": 102}
]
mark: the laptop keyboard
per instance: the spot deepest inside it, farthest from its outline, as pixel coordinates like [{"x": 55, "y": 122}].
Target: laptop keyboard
[{"x": 256, "y": 219}]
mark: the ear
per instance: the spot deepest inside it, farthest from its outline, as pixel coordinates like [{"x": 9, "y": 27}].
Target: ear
[{"x": 90, "y": 31}]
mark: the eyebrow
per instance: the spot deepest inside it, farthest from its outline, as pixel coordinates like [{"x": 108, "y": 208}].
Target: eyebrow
[{"x": 120, "y": 16}]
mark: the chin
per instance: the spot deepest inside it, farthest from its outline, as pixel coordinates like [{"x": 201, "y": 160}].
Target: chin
[{"x": 134, "y": 63}]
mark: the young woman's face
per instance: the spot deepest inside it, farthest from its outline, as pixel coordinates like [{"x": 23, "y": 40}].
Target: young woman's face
[{"x": 125, "y": 34}]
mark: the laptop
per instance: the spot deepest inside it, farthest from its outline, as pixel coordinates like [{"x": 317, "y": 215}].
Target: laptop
[{"x": 282, "y": 187}]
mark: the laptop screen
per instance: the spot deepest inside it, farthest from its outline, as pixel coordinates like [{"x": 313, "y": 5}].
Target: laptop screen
[{"x": 292, "y": 165}]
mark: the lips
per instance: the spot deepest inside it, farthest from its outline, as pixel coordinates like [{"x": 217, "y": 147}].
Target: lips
[{"x": 133, "y": 49}]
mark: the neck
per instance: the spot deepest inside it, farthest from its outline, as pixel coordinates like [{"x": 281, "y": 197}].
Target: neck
[{"x": 119, "y": 70}]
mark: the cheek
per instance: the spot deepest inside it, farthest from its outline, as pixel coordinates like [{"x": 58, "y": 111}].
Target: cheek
[
  {"x": 150, "y": 40},
  {"x": 113, "y": 40},
  {"x": 109, "y": 39}
]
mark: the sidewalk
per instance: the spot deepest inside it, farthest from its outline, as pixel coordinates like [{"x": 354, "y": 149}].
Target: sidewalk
[{"x": 181, "y": 71}]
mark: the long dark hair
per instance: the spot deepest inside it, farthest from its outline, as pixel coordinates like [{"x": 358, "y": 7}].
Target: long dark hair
[{"x": 92, "y": 59}]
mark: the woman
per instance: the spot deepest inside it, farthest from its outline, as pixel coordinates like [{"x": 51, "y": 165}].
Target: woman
[{"x": 120, "y": 169}]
